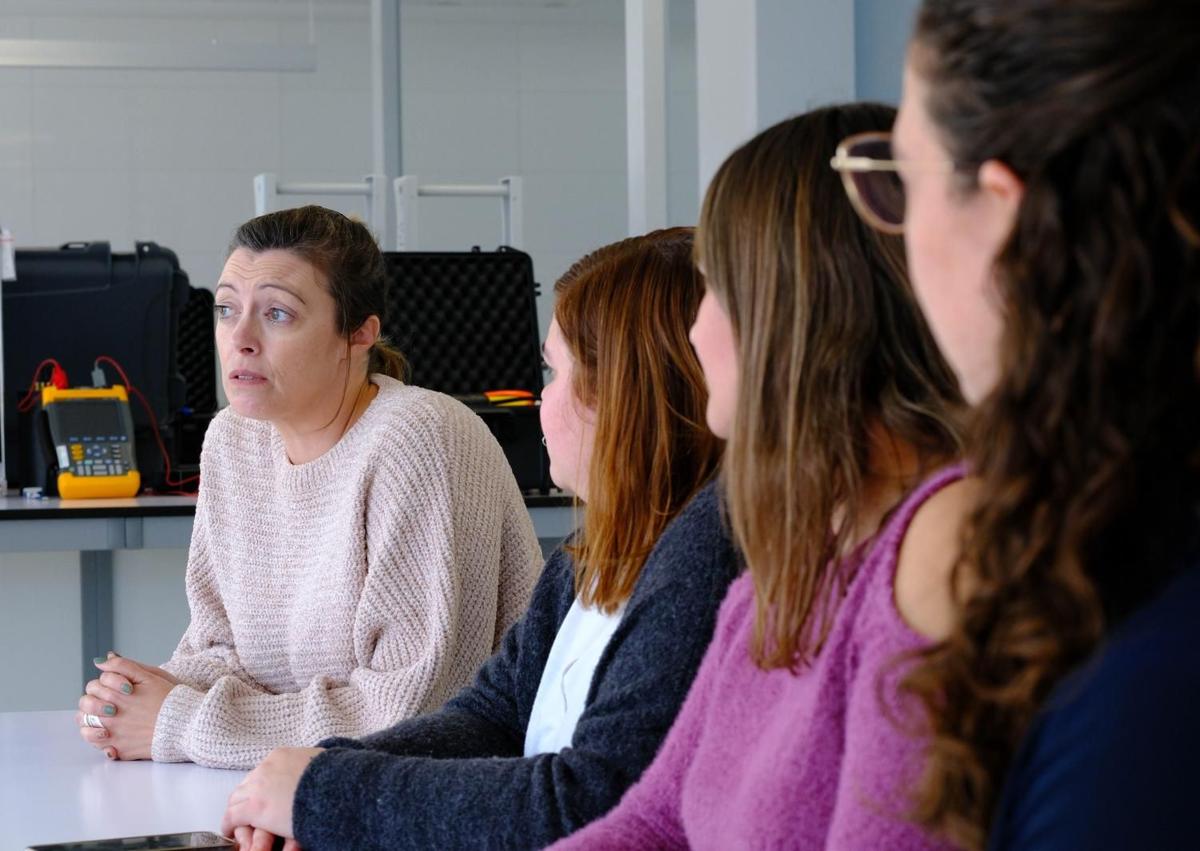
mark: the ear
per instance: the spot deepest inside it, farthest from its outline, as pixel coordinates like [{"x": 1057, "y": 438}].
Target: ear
[
  {"x": 366, "y": 334},
  {"x": 1001, "y": 191}
]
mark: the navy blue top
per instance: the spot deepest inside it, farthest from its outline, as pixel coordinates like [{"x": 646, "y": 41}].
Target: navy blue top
[
  {"x": 1114, "y": 759},
  {"x": 458, "y": 779}
]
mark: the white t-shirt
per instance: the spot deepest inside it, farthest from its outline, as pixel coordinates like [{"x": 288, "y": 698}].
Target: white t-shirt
[{"x": 561, "y": 694}]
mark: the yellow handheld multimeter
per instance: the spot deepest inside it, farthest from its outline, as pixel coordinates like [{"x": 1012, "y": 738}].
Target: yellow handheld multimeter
[{"x": 92, "y": 432}]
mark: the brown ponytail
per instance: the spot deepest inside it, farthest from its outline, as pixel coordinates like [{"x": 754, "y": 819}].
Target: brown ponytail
[{"x": 387, "y": 360}]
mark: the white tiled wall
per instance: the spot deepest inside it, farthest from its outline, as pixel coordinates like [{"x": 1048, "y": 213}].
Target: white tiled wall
[
  {"x": 488, "y": 90},
  {"x": 538, "y": 92}
]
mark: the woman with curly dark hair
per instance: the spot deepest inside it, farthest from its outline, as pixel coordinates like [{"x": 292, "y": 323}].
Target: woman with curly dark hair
[{"x": 1048, "y": 157}]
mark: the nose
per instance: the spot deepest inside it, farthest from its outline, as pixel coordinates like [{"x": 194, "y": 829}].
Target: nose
[{"x": 245, "y": 335}]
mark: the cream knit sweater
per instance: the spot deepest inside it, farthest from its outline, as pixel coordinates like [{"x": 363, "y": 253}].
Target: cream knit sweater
[{"x": 337, "y": 597}]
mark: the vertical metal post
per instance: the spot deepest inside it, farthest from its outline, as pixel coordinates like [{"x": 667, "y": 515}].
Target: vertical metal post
[
  {"x": 407, "y": 190},
  {"x": 377, "y": 209},
  {"x": 96, "y": 599},
  {"x": 3, "y": 426},
  {"x": 646, "y": 112},
  {"x": 266, "y": 188},
  {"x": 513, "y": 212},
  {"x": 386, "y": 142}
]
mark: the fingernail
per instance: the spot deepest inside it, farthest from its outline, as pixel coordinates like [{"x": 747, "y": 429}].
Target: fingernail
[
  {"x": 100, "y": 660},
  {"x": 109, "y": 709},
  {"x": 127, "y": 688},
  {"x": 113, "y": 654}
]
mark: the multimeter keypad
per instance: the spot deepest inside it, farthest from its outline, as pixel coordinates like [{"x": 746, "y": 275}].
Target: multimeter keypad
[{"x": 99, "y": 459}]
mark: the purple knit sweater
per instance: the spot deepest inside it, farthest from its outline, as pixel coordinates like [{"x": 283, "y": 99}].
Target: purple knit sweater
[{"x": 774, "y": 760}]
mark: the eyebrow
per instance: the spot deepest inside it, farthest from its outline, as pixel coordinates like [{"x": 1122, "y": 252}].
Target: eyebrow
[{"x": 270, "y": 286}]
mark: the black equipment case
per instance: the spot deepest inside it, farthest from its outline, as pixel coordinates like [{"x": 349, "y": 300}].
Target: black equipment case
[
  {"x": 76, "y": 303},
  {"x": 196, "y": 357},
  {"x": 467, "y": 323}
]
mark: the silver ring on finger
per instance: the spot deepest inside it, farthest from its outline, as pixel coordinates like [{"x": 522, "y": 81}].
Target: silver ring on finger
[{"x": 90, "y": 720}]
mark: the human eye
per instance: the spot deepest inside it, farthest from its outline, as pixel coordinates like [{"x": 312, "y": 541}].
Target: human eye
[
  {"x": 222, "y": 311},
  {"x": 278, "y": 315}
]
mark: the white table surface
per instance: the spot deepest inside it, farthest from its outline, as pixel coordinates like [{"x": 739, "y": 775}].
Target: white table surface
[{"x": 56, "y": 788}]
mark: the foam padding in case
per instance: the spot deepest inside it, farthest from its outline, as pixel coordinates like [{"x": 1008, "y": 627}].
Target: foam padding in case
[
  {"x": 196, "y": 351},
  {"x": 466, "y": 321}
]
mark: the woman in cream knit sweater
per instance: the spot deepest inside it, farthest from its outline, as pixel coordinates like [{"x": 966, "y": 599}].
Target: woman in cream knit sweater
[{"x": 360, "y": 545}]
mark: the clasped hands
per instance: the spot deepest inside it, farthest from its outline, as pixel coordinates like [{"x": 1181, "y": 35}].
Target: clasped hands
[
  {"x": 119, "y": 709},
  {"x": 123, "y": 704}
]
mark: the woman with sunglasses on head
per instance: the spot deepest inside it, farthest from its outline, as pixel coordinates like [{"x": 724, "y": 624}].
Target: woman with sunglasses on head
[
  {"x": 1049, "y": 175},
  {"x": 836, "y": 404},
  {"x": 574, "y": 704}
]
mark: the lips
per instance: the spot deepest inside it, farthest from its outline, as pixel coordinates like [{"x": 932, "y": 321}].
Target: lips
[{"x": 246, "y": 376}]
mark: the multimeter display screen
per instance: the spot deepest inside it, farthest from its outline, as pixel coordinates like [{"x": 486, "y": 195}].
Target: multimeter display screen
[{"x": 90, "y": 419}]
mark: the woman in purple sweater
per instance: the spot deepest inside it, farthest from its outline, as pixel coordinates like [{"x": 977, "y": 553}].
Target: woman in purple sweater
[{"x": 836, "y": 404}]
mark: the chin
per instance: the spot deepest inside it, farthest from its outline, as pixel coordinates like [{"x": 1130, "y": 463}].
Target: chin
[
  {"x": 250, "y": 409},
  {"x": 718, "y": 423},
  {"x": 561, "y": 480},
  {"x": 977, "y": 382}
]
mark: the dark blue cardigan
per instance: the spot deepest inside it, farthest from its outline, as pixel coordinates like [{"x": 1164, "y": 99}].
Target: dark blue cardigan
[
  {"x": 457, "y": 778},
  {"x": 1112, "y": 761}
]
